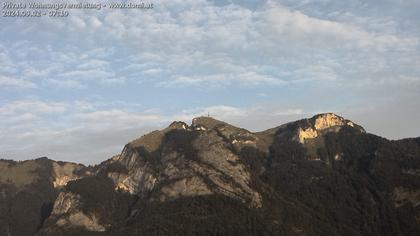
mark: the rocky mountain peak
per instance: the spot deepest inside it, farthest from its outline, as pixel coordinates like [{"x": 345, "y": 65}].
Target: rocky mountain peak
[
  {"x": 206, "y": 122},
  {"x": 63, "y": 172},
  {"x": 178, "y": 125},
  {"x": 321, "y": 124},
  {"x": 329, "y": 120}
]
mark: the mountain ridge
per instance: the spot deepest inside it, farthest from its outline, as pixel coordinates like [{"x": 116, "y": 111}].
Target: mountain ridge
[{"x": 315, "y": 176}]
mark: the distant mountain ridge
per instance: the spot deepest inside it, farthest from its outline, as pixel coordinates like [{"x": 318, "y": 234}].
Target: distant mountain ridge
[{"x": 319, "y": 176}]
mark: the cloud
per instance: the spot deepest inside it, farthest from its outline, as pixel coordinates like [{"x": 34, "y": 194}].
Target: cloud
[
  {"x": 152, "y": 72},
  {"x": 221, "y": 112},
  {"x": 32, "y": 106},
  {"x": 245, "y": 79},
  {"x": 18, "y": 119},
  {"x": 411, "y": 80},
  {"x": 6, "y": 81},
  {"x": 281, "y": 26},
  {"x": 114, "y": 80},
  {"x": 79, "y": 131},
  {"x": 289, "y": 112},
  {"x": 65, "y": 83},
  {"x": 207, "y": 44},
  {"x": 110, "y": 118},
  {"x": 65, "y": 67}
]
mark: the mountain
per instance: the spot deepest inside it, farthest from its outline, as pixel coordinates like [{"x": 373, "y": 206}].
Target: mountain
[
  {"x": 28, "y": 190},
  {"x": 319, "y": 176}
]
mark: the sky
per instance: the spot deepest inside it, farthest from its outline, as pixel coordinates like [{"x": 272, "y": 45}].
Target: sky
[{"x": 79, "y": 88}]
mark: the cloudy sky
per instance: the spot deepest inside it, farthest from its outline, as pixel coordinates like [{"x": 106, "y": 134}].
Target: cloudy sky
[{"x": 79, "y": 88}]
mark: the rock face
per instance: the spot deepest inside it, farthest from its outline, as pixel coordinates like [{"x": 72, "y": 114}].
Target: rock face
[
  {"x": 69, "y": 204},
  {"x": 182, "y": 161},
  {"x": 65, "y": 172},
  {"x": 319, "y": 176},
  {"x": 322, "y": 124},
  {"x": 28, "y": 190}
]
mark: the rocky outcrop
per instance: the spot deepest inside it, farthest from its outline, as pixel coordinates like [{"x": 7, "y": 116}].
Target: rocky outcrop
[
  {"x": 311, "y": 133},
  {"x": 68, "y": 213},
  {"x": 322, "y": 124},
  {"x": 403, "y": 195},
  {"x": 63, "y": 172}
]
